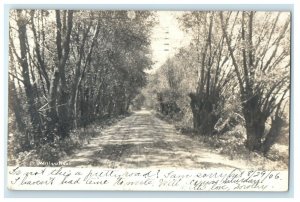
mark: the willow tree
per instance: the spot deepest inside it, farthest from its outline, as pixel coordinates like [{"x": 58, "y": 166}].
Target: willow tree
[
  {"x": 74, "y": 67},
  {"x": 259, "y": 48},
  {"x": 213, "y": 72},
  {"x": 110, "y": 77},
  {"x": 23, "y": 62}
]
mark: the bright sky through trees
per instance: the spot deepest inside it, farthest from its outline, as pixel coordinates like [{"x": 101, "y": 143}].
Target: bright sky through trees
[{"x": 167, "y": 38}]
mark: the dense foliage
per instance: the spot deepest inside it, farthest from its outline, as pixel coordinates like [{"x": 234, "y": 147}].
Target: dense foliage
[
  {"x": 71, "y": 68},
  {"x": 234, "y": 72}
]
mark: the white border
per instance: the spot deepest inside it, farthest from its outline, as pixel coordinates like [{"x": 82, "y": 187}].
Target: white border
[{"x": 296, "y": 73}]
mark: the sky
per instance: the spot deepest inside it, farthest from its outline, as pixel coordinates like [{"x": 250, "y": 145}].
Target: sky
[{"x": 167, "y": 38}]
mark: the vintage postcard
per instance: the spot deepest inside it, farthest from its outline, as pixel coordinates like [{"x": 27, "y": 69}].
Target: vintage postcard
[{"x": 149, "y": 100}]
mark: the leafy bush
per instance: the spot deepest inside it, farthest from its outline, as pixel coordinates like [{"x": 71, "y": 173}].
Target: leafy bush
[
  {"x": 233, "y": 142},
  {"x": 27, "y": 158},
  {"x": 49, "y": 153},
  {"x": 68, "y": 146},
  {"x": 279, "y": 153}
]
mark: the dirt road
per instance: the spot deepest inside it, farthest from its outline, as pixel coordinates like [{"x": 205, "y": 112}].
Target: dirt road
[{"x": 142, "y": 141}]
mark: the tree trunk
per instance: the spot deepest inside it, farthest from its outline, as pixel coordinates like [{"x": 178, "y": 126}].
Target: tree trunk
[
  {"x": 204, "y": 118},
  {"x": 63, "y": 55},
  {"x": 77, "y": 76},
  {"x": 52, "y": 113},
  {"x": 17, "y": 109},
  {"x": 196, "y": 111},
  {"x": 273, "y": 134},
  {"x": 254, "y": 133},
  {"x": 255, "y": 123},
  {"x": 32, "y": 110},
  {"x": 58, "y": 122}
]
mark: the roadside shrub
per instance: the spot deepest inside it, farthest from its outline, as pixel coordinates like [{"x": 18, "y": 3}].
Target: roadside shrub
[
  {"x": 27, "y": 158},
  {"x": 279, "y": 153},
  {"x": 49, "y": 153},
  {"x": 233, "y": 143},
  {"x": 68, "y": 146},
  {"x": 230, "y": 143}
]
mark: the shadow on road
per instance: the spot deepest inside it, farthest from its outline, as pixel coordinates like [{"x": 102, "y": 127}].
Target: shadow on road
[{"x": 142, "y": 141}]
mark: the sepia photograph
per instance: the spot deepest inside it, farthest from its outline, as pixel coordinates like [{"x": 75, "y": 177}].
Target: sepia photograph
[{"x": 150, "y": 91}]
